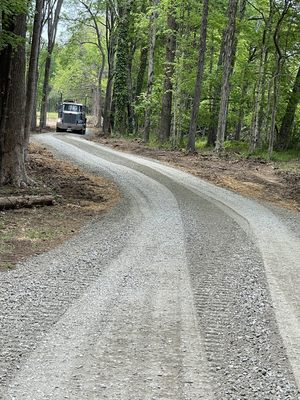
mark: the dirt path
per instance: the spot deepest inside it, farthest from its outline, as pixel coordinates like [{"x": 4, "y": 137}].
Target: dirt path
[{"x": 255, "y": 178}]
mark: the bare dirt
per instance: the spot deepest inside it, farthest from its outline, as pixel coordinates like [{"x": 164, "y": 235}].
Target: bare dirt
[
  {"x": 277, "y": 183},
  {"x": 79, "y": 197}
]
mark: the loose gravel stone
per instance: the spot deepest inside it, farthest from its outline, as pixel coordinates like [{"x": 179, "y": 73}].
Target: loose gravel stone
[{"x": 172, "y": 295}]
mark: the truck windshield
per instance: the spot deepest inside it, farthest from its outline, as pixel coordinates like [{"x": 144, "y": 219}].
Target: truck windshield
[{"x": 72, "y": 107}]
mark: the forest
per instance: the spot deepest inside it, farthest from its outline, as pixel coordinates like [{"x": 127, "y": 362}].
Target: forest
[{"x": 177, "y": 73}]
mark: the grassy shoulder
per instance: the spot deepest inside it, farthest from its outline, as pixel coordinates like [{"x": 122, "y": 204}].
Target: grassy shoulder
[{"x": 79, "y": 197}]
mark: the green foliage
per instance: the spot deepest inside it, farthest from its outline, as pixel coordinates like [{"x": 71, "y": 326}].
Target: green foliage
[
  {"x": 75, "y": 66},
  {"x": 8, "y": 10}
]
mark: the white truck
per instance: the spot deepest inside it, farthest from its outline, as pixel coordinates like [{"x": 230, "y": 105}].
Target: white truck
[{"x": 71, "y": 116}]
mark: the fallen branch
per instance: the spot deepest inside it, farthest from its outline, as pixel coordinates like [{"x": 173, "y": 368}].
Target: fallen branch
[{"x": 13, "y": 202}]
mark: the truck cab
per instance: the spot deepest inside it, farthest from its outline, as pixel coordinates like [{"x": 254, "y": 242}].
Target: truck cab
[{"x": 71, "y": 116}]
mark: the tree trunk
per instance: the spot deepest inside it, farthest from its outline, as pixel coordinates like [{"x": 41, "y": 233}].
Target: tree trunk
[
  {"x": 52, "y": 30},
  {"x": 150, "y": 80},
  {"x": 95, "y": 108},
  {"x": 197, "y": 94},
  {"x": 266, "y": 118},
  {"x": 12, "y": 108},
  {"x": 33, "y": 126},
  {"x": 45, "y": 91},
  {"x": 94, "y": 18},
  {"x": 227, "y": 70},
  {"x": 100, "y": 103},
  {"x": 110, "y": 45},
  {"x": 142, "y": 71},
  {"x": 278, "y": 67},
  {"x": 130, "y": 109},
  {"x": 215, "y": 104},
  {"x": 121, "y": 73},
  {"x": 255, "y": 134},
  {"x": 245, "y": 85},
  {"x": 241, "y": 113},
  {"x": 32, "y": 69},
  {"x": 288, "y": 119},
  {"x": 166, "y": 109}
]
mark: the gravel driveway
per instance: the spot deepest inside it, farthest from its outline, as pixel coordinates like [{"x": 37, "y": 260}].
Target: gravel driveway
[{"x": 183, "y": 291}]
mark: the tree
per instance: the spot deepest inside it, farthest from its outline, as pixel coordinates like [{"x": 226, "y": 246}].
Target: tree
[
  {"x": 166, "y": 108},
  {"x": 31, "y": 86},
  {"x": 110, "y": 19},
  {"x": 12, "y": 100},
  {"x": 198, "y": 85},
  {"x": 121, "y": 71},
  {"x": 258, "y": 104},
  {"x": 226, "y": 72},
  {"x": 53, "y": 14},
  {"x": 278, "y": 67},
  {"x": 95, "y": 19},
  {"x": 150, "y": 80},
  {"x": 289, "y": 116}
]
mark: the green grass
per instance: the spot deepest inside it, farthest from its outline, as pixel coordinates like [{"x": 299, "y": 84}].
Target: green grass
[
  {"x": 154, "y": 143},
  {"x": 40, "y": 234},
  {"x": 6, "y": 265},
  {"x": 236, "y": 146},
  {"x": 201, "y": 144},
  {"x": 281, "y": 156}
]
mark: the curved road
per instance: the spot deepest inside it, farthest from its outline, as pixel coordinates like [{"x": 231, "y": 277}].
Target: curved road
[{"x": 183, "y": 291}]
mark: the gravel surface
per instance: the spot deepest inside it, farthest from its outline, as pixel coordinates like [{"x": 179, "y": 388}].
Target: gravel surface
[{"x": 183, "y": 291}]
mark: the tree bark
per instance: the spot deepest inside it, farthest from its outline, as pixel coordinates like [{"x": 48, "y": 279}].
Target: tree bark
[
  {"x": 227, "y": 70},
  {"x": 142, "y": 71},
  {"x": 166, "y": 109},
  {"x": 150, "y": 79},
  {"x": 33, "y": 123},
  {"x": 197, "y": 94},
  {"x": 245, "y": 85},
  {"x": 12, "y": 107},
  {"x": 32, "y": 69},
  {"x": 110, "y": 45},
  {"x": 121, "y": 72},
  {"x": 255, "y": 134},
  {"x": 52, "y": 30},
  {"x": 278, "y": 67},
  {"x": 130, "y": 110},
  {"x": 215, "y": 104},
  {"x": 289, "y": 116},
  {"x": 94, "y": 17}
]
